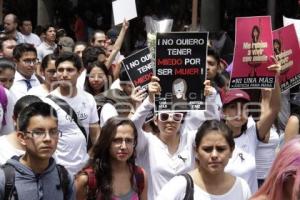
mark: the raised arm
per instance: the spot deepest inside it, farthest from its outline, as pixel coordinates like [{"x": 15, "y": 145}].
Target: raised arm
[
  {"x": 270, "y": 103},
  {"x": 141, "y": 113},
  {"x": 118, "y": 44}
]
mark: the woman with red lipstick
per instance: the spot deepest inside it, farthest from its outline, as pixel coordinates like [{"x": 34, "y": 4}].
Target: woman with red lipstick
[
  {"x": 214, "y": 146},
  {"x": 112, "y": 173}
]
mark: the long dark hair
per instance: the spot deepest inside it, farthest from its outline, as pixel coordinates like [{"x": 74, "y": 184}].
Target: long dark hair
[
  {"x": 101, "y": 160},
  {"x": 87, "y": 85}
]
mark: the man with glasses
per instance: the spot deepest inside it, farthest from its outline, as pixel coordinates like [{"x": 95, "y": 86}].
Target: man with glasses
[
  {"x": 25, "y": 56},
  {"x": 35, "y": 174}
]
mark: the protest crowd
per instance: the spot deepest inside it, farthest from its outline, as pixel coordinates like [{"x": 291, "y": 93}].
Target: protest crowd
[{"x": 175, "y": 119}]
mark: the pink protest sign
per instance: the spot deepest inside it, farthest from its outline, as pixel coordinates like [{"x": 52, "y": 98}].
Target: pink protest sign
[
  {"x": 287, "y": 51},
  {"x": 253, "y": 53}
]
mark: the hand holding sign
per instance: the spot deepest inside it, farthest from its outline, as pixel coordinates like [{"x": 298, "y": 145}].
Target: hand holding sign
[
  {"x": 153, "y": 88},
  {"x": 208, "y": 89},
  {"x": 181, "y": 67},
  {"x": 125, "y": 25},
  {"x": 138, "y": 95}
]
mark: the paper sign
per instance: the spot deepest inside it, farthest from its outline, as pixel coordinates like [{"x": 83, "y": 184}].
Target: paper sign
[
  {"x": 139, "y": 68},
  {"x": 296, "y": 22},
  {"x": 253, "y": 53},
  {"x": 286, "y": 50},
  {"x": 124, "y": 9},
  {"x": 181, "y": 68}
]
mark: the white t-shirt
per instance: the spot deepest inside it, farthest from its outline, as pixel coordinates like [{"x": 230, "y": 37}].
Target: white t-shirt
[
  {"x": 116, "y": 84},
  {"x": 153, "y": 155},
  {"x": 7, "y": 150},
  {"x": 44, "y": 49},
  {"x": 107, "y": 111},
  {"x": 72, "y": 146},
  {"x": 242, "y": 163},
  {"x": 38, "y": 91},
  {"x": 265, "y": 154},
  {"x": 176, "y": 189},
  {"x": 81, "y": 80},
  {"x": 32, "y": 39}
]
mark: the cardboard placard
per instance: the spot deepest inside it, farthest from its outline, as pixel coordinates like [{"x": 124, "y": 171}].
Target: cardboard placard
[
  {"x": 287, "y": 21},
  {"x": 139, "y": 68},
  {"x": 124, "y": 9},
  {"x": 181, "y": 67},
  {"x": 287, "y": 51},
  {"x": 253, "y": 53}
]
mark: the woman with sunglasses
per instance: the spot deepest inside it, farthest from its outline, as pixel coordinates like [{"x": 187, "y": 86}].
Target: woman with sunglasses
[
  {"x": 169, "y": 152},
  {"x": 112, "y": 174}
]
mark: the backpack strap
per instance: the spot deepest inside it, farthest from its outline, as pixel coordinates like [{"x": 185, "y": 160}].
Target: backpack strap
[
  {"x": 139, "y": 179},
  {"x": 189, "y": 191},
  {"x": 64, "y": 179},
  {"x": 9, "y": 173},
  {"x": 101, "y": 100},
  {"x": 118, "y": 98},
  {"x": 69, "y": 110}
]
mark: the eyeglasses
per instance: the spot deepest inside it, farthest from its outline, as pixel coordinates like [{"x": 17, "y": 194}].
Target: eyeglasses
[
  {"x": 163, "y": 117},
  {"x": 120, "y": 141},
  {"x": 54, "y": 133},
  {"x": 30, "y": 62}
]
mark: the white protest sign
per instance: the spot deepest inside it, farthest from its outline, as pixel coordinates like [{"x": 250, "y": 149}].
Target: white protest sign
[
  {"x": 124, "y": 9},
  {"x": 296, "y": 22}
]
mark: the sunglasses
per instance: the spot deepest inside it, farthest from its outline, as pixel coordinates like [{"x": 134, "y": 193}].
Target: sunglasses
[{"x": 177, "y": 117}]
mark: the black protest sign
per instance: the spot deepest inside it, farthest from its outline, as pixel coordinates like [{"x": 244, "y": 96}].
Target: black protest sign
[
  {"x": 139, "y": 67},
  {"x": 180, "y": 66}
]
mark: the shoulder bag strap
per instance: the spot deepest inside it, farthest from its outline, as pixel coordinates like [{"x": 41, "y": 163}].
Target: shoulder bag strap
[
  {"x": 69, "y": 110},
  {"x": 189, "y": 192},
  {"x": 9, "y": 172}
]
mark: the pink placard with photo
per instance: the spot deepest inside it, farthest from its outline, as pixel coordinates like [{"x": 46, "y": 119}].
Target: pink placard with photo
[
  {"x": 287, "y": 51},
  {"x": 253, "y": 53}
]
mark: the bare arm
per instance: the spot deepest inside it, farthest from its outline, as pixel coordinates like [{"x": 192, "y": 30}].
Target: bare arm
[
  {"x": 118, "y": 44},
  {"x": 145, "y": 191},
  {"x": 271, "y": 106},
  {"x": 81, "y": 186},
  {"x": 292, "y": 128}
]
